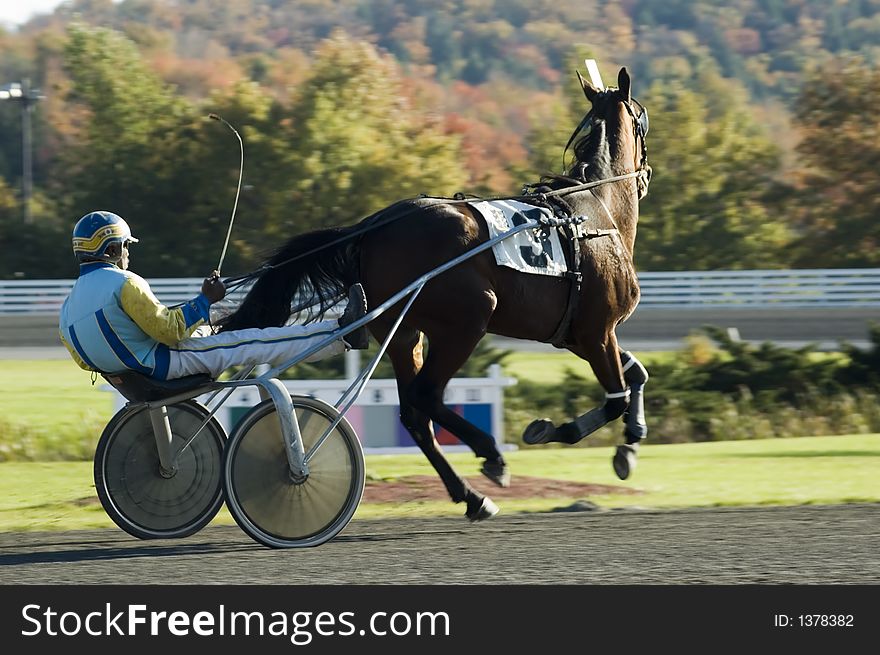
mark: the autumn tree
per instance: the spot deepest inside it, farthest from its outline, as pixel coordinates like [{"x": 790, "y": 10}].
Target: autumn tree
[
  {"x": 840, "y": 154},
  {"x": 157, "y": 160},
  {"x": 125, "y": 153},
  {"x": 357, "y": 145},
  {"x": 710, "y": 201}
]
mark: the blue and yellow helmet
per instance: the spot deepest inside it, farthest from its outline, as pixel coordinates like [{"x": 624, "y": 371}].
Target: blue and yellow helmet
[{"x": 97, "y": 230}]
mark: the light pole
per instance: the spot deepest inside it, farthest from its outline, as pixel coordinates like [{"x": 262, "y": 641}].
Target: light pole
[{"x": 22, "y": 92}]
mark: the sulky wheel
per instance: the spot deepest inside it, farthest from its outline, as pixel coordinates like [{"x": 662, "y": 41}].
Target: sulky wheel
[
  {"x": 134, "y": 492},
  {"x": 267, "y": 502}
]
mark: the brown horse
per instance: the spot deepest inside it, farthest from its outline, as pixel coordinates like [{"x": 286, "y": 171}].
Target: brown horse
[{"x": 581, "y": 311}]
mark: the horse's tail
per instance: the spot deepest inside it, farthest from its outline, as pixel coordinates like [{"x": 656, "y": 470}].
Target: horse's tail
[{"x": 312, "y": 270}]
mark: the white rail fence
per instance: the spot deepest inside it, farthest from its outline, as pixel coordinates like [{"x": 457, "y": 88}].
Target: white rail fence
[
  {"x": 762, "y": 289},
  {"x": 757, "y": 289},
  {"x": 45, "y": 297}
]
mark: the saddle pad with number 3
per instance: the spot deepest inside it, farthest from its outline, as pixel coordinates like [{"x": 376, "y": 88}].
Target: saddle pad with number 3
[{"x": 529, "y": 251}]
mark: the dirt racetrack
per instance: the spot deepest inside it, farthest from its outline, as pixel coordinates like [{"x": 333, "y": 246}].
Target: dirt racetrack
[
  {"x": 768, "y": 545},
  {"x": 429, "y": 487}
]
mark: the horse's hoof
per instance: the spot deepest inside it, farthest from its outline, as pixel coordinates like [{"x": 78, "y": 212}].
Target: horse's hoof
[
  {"x": 624, "y": 461},
  {"x": 539, "y": 431},
  {"x": 497, "y": 472},
  {"x": 486, "y": 510}
]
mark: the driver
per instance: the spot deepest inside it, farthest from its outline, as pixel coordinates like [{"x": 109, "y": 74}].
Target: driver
[{"x": 112, "y": 322}]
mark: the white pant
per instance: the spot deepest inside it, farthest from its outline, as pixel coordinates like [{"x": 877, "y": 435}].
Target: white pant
[{"x": 214, "y": 353}]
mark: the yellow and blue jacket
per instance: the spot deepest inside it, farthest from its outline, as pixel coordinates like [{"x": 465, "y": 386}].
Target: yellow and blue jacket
[{"x": 112, "y": 322}]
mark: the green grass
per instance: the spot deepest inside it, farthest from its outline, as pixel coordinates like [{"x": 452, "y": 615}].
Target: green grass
[
  {"x": 49, "y": 410},
  {"x": 52, "y": 406},
  {"x": 810, "y": 470},
  {"x": 28, "y": 387},
  {"x": 550, "y": 367},
  {"x": 47, "y": 398}
]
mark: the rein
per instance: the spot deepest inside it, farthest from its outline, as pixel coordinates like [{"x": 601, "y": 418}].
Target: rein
[
  {"x": 238, "y": 280},
  {"x": 640, "y": 128},
  {"x": 590, "y": 185}
]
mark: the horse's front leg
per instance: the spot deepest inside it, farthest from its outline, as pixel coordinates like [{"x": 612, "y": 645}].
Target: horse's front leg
[
  {"x": 636, "y": 375},
  {"x": 603, "y": 356},
  {"x": 636, "y": 428},
  {"x": 542, "y": 430}
]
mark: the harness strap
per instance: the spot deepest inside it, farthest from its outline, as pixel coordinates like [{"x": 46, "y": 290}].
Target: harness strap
[
  {"x": 571, "y": 231},
  {"x": 560, "y": 336},
  {"x": 572, "y": 250}
]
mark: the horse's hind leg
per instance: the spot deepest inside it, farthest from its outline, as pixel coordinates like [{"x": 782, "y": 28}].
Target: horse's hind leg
[
  {"x": 405, "y": 351},
  {"x": 445, "y": 356}
]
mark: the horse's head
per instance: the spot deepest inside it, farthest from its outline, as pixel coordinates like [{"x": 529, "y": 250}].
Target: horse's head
[{"x": 615, "y": 141}]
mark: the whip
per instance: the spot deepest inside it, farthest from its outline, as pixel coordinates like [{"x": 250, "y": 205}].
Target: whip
[{"x": 217, "y": 117}]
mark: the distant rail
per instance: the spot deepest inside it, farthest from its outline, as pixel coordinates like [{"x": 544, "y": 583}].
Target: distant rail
[
  {"x": 755, "y": 289},
  {"x": 762, "y": 289},
  {"x": 45, "y": 297}
]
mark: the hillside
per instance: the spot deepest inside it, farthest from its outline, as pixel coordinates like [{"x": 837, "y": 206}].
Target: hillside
[{"x": 495, "y": 79}]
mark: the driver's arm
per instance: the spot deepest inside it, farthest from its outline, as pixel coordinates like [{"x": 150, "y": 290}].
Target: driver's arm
[
  {"x": 75, "y": 355},
  {"x": 168, "y": 326}
]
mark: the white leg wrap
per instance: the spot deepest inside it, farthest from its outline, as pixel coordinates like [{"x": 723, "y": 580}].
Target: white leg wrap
[{"x": 633, "y": 370}]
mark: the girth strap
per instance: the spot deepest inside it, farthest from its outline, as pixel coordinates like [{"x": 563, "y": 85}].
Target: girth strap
[
  {"x": 570, "y": 235},
  {"x": 572, "y": 251},
  {"x": 560, "y": 337}
]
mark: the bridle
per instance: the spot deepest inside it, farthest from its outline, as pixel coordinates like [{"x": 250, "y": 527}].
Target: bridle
[
  {"x": 640, "y": 132},
  {"x": 640, "y": 129}
]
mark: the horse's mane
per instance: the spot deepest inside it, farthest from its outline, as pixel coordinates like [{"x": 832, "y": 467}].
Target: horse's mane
[{"x": 592, "y": 161}]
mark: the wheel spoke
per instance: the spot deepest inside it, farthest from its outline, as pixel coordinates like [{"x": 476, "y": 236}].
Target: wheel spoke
[
  {"x": 263, "y": 497},
  {"x": 137, "y": 496}
]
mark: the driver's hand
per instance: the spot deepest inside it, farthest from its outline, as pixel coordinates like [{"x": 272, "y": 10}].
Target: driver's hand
[{"x": 213, "y": 287}]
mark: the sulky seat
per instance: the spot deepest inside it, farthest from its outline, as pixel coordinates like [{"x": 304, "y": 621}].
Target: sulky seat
[{"x": 137, "y": 387}]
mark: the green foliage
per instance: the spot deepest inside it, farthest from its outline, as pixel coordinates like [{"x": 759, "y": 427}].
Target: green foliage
[
  {"x": 863, "y": 370},
  {"x": 355, "y": 143},
  {"x": 732, "y": 390},
  {"x": 480, "y": 94},
  {"x": 707, "y": 206},
  {"x": 135, "y": 131},
  {"x": 24, "y": 246},
  {"x": 774, "y": 373},
  {"x": 840, "y": 148}
]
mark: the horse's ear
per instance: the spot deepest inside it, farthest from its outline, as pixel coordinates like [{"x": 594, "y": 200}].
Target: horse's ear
[
  {"x": 589, "y": 90},
  {"x": 623, "y": 83}
]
